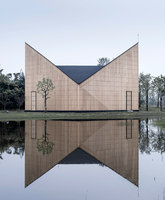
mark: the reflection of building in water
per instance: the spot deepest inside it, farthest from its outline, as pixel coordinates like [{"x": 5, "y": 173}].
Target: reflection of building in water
[{"x": 113, "y": 143}]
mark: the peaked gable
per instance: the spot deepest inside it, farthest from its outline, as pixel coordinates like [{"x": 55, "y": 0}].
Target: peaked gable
[
  {"x": 79, "y": 73},
  {"x": 79, "y": 156}
]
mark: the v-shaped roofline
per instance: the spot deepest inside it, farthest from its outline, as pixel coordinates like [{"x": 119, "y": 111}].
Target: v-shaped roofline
[
  {"x": 90, "y": 154},
  {"x": 108, "y": 166},
  {"x": 81, "y": 65}
]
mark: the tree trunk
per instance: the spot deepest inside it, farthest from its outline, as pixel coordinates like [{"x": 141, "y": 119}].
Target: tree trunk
[
  {"x": 147, "y": 132},
  {"x": 19, "y": 107},
  {"x": 139, "y": 123},
  {"x": 45, "y": 129},
  {"x": 45, "y": 103},
  {"x": 158, "y": 101},
  {"x": 139, "y": 101},
  {"x": 147, "y": 100},
  {"x": 4, "y": 106},
  {"x": 147, "y": 127}
]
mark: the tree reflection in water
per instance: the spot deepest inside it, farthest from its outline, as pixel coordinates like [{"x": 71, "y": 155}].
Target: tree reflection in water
[
  {"x": 43, "y": 144},
  {"x": 12, "y": 138},
  {"x": 151, "y": 137}
]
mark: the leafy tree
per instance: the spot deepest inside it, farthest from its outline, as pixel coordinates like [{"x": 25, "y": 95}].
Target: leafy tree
[
  {"x": 19, "y": 81},
  {"x": 162, "y": 90},
  {"x": 44, "y": 87},
  {"x": 158, "y": 84},
  {"x": 145, "y": 86},
  {"x": 9, "y": 76},
  {"x": 103, "y": 61},
  {"x": 12, "y": 90},
  {"x": 5, "y": 98},
  {"x": 141, "y": 98},
  {"x": 5, "y": 92},
  {"x": 157, "y": 87}
]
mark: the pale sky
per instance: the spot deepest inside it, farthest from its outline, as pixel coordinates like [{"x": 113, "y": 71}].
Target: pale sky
[{"x": 79, "y": 32}]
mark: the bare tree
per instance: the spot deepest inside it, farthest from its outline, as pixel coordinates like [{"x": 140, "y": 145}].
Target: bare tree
[{"x": 44, "y": 87}]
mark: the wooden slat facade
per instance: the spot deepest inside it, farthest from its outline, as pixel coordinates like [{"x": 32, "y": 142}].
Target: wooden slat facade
[
  {"x": 105, "y": 90},
  {"x": 112, "y": 142}
]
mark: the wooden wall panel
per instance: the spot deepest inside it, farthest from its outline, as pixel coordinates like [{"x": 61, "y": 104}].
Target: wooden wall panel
[
  {"x": 64, "y": 137},
  {"x": 63, "y": 97},
  {"x": 109, "y": 85},
  {"x": 107, "y": 141},
  {"x": 105, "y": 90}
]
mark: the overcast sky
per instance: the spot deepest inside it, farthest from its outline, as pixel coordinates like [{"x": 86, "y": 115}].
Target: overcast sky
[{"x": 79, "y": 32}]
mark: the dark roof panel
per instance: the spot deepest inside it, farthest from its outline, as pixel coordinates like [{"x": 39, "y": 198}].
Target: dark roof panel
[
  {"x": 79, "y": 73},
  {"x": 79, "y": 156}
]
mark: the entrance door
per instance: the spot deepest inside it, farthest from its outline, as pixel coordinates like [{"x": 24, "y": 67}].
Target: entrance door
[
  {"x": 33, "y": 100},
  {"x": 128, "y": 100}
]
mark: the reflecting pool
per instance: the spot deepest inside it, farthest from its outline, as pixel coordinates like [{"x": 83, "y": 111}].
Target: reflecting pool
[{"x": 107, "y": 159}]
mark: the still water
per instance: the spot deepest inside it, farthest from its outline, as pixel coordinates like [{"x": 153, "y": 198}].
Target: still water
[{"x": 82, "y": 160}]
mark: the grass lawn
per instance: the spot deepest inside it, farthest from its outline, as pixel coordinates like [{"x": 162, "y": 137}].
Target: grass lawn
[{"x": 21, "y": 115}]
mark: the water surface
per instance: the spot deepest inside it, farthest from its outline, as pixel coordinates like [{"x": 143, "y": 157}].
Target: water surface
[{"x": 107, "y": 159}]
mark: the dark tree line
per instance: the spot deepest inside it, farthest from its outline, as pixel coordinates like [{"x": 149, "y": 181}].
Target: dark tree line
[
  {"x": 12, "y": 90},
  {"x": 12, "y": 138},
  {"x": 151, "y": 138},
  {"x": 151, "y": 91}
]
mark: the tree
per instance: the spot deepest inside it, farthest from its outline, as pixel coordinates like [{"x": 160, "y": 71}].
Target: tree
[
  {"x": 44, "y": 87},
  {"x": 20, "y": 97},
  {"x": 19, "y": 88},
  {"x": 5, "y": 92},
  {"x": 157, "y": 88},
  {"x": 162, "y": 90},
  {"x": 144, "y": 87},
  {"x": 12, "y": 90},
  {"x": 103, "y": 61},
  {"x": 158, "y": 84},
  {"x": 5, "y": 98}
]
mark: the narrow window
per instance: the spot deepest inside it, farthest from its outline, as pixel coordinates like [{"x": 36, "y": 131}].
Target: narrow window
[
  {"x": 33, "y": 129},
  {"x": 128, "y": 100},
  {"x": 128, "y": 129}
]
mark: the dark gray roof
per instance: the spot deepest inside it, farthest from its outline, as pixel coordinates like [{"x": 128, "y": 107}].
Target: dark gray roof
[
  {"x": 79, "y": 156},
  {"x": 79, "y": 73}
]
